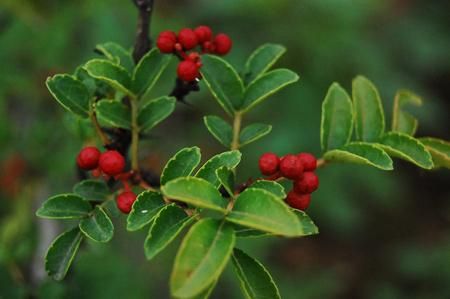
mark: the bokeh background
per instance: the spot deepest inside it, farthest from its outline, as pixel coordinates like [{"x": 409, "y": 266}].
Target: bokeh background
[{"x": 383, "y": 234}]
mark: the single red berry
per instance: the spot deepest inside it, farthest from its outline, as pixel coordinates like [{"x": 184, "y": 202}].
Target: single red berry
[
  {"x": 298, "y": 201},
  {"x": 204, "y": 33},
  {"x": 307, "y": 184},
  {"x": 112, "y": 162},
  {"x": 269, "y": 163},
  {"x": 309, "y": 162},
  {"x": 187, "y": 38},
  {"x": 166, "y": 41},
  {"x": 88, "y": 157},
  {"x": 291, "y": 167},
  {"x": 223, "y": 44},
  {"x": 187, "y": 70},
  {"x": 125, "y": 201}
]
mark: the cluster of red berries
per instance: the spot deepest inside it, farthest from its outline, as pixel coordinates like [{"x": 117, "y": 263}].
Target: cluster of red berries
[
  {"x": 111, "y": 163},
  {"x": 188, "y": 39},
  {"x": 298, "y": 168}
]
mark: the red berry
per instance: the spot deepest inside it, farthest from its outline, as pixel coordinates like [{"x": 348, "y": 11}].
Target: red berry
[
  {"x": 309, "y": 162},
  {"x": 298, "y": 201},
  {"x": 187, "y": 38},
  {"x": 88, "y": 157},
  {"x": 307, "y": 184},
  {"x": 187, "y": 70},
  {"x": 166, "y": 41},
  {"x": 125, "y": 201},
  {"x": 204, "y": 33},
  {"x": 268, "y": 163},
  {"x": 112, "y": 162},
  {"x": 223, "y": 44},
  {"x": 291, "y": 167}
]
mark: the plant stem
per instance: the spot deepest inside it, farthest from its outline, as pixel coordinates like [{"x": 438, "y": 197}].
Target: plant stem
[
  {"x": 236, "y": 130},
  {"x": 321, "y": 162},
  {"x": 143, "y": 42},
  {"x": 134, "y": 135},
  {"x": 98, "y": 129}
]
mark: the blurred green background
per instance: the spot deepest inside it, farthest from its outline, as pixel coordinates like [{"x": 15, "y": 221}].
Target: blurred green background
[{"x": 383, "y": 234}]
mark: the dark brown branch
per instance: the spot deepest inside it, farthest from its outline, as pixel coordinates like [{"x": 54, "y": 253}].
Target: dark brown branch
[
  {"x": 183, "y": 88},
  {"x": 143, "y": 42}
]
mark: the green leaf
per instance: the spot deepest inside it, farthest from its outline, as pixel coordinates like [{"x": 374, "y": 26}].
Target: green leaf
[
  {"x": 117, "y": 54},
  {"x": 369, "y": 115},
  {"x": 207, "y": 292},
  {"x": 113, "y": 74},
  {"x": 308, "y": 226},
  {"x": 361, "y": 153},
  {"x": 61, "y": 253},
  {"x": 70, "y": 93},
  {"x": 245, "y": 232},
  {"x": 261, "y": 60},
  {"x": 228, "y": 159},
  {"x": 92, "y": 190},
  {"x": 98, "y": 226},
  {"x": 167, "y": 225},
  {"x": 256, "y": 282},
  {"x": 439, "y": 150},
  {"x": 114, "y": 113},
  {"x": 148, "y": 70},
  {"x": 253, "y": 132},
  {"x": 270, "y": 186},
  {"x": 181, "y": 164},
  {"x": 402, "y": 121},
  {"x": 262, "y": 210},
  {"x": 267, "y": 85},
  {"x": 195, "y": 191},
  {"x": 226, "y": 179},
  {"x": 407, "y": 148},
  {"x": 155, "y": 112},
  {"x": 144, "y": 209},
  {"x": 201, "y": 258},
  {"x": 337, "y": 118},
  {"x": 64, "y": 206},
  {"x": 219, "y": 128},
  {"x": 223, "y": 82}
]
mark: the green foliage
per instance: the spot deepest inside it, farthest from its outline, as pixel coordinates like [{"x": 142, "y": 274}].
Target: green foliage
[
  {"x": 228, "y": 159},
  {"x": 94, "y": 190},
  {"x": 113, "y": 113},
  {"x": 219, "y": 128},
  {"x": 167, "y": 225},
  {"x": 117, "y": 54},
  {"x": 402, "y": 121},
  {"x": 201, "y": 258},
  {"x": 255, "y": 280},
  {"x": 155, "y": 112},
  {"x": 270, "y": 186},
  {"x": 262, "y": 210},
  {"x": 253, "y": 132},
  {"x": 148, "y": 71},
  {"x": 369, "y": 115},
  {"x": 361, "y": 153},
  {"x": 181, "y": 164},
  {"x": 262, "y": 60},
  {"x": 70, "y": 93},
  {"x": 226, "y": 178},
  {"x": 64, "y": 206},
  {"x": 144, "y": 209},
  {"x": 337, "y": 118},
  {"x": 439, "y": 150},
  {"x": 195, "y": 191},
  {"x": 109, "y": 72},
  {"x": 98, "y": 226},
  {"x": 62, "y": 252}
]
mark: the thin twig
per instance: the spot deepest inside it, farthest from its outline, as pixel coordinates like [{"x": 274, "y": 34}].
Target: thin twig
[{"x": 143, "y": 42}]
